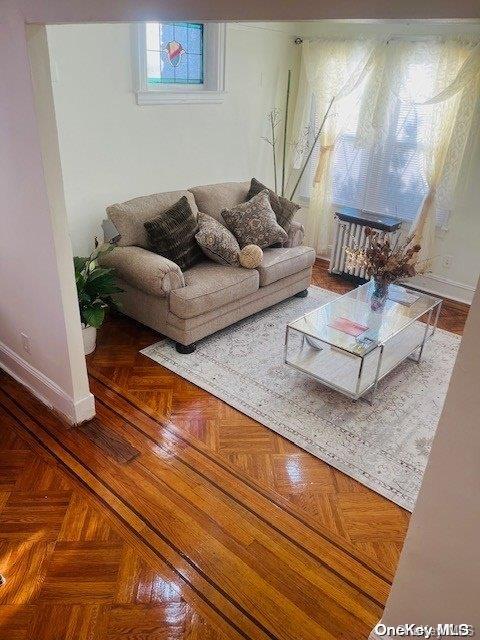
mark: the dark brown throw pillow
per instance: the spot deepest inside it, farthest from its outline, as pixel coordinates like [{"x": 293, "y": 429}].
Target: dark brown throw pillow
[
  {"x": 172, "y": 235},
  {"x": 284, "y": 209}
]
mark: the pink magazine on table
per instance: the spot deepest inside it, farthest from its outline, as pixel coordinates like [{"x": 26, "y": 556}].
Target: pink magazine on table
[{"x": 348, "y": 326}]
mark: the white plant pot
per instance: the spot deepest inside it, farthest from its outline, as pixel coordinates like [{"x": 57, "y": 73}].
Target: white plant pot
[{"x": 89, "y": 339}]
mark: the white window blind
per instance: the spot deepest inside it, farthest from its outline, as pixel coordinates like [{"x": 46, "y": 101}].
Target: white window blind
[
  {"x": 389, "y": 176},
  {"x": 384, "y": 176}
]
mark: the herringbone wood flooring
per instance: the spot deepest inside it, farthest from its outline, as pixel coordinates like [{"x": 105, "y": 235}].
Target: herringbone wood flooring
[{"x": 197, "y": 521}]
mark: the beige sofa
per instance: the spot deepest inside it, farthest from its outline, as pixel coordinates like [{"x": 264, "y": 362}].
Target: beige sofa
[{"x": 207, "y": 297}]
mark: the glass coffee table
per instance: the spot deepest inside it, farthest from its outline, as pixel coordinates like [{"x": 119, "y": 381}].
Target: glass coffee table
[{"x": 349, "y": 347}]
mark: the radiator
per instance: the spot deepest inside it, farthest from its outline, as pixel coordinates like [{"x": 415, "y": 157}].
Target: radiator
[{"x": 349, "y": 231}]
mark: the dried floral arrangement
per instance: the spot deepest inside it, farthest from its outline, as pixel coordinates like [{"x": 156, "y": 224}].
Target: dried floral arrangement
[{"x": 386, "y": 262}]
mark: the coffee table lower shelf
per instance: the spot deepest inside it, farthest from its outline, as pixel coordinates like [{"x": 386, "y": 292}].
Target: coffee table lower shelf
[{"x": 347, "y": 373}]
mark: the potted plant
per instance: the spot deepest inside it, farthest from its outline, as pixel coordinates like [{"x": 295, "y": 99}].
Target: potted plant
[{"x": 95, "y": 287}]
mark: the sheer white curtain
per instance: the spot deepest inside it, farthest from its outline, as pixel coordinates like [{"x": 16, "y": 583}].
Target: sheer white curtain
[
  {"x": 427, "y": 90},
  {"x": 331, "y": 69},
  {"x": 456, "y": 78}
]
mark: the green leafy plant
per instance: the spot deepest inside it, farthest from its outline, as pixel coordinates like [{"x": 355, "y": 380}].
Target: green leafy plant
[{"x": 95, "y": 286}]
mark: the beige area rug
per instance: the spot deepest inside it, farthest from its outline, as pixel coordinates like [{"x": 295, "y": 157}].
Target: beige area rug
[{"x": 384, "y": 446}]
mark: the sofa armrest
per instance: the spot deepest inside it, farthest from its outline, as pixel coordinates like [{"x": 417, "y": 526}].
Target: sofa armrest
[
  {"x": 296, "y": 234},
  {"x": 145, "y": 270}
]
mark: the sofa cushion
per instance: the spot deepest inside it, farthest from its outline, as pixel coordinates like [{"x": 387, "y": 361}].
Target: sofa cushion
[
  {"x": 172, "y": 235},
  {"x": 212, "y": 198},
  {"x": 130, "y": 216},
  {"x": 284, "y": 209},
  {"x": 209, "y": 286},
  {"x": 283, "y": 262},
  {"x": 254, "y": 222},
  {"x": 216, "y": 241}
]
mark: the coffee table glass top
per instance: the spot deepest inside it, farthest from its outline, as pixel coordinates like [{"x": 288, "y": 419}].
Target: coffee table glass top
[{"x": 355, "y": 306}]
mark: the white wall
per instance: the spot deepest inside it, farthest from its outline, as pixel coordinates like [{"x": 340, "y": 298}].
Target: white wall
[
  {"x": 462, "y": 240},
  {"x": 438, "y": 577},
  {"x": 111, "y": 149},
  {"x": 32, "y": 288}
]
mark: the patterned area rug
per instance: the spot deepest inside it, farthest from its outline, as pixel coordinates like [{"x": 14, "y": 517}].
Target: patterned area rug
[{"x": 384, "y": 446}]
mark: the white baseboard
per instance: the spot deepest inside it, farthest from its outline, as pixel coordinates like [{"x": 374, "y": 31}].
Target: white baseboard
[
  {"x": 84, "y": 409},
  {"x": 47, "y": 391},
  {"x": 445, "y": 288}
]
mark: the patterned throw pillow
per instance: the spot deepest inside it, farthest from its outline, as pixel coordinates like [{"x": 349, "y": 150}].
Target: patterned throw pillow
[
  {"x": 216, "y": 241},
  {"x": 254, "y": 222},
  {"x": 284, "y": 209},
  {"x": 172, "y": 235}
]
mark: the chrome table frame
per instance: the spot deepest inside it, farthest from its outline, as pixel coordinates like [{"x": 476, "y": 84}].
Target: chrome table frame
[{"x": 372, "y": 388}]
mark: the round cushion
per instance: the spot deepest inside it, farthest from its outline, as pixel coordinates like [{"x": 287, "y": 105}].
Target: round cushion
[{"x": 250, "y": 256}]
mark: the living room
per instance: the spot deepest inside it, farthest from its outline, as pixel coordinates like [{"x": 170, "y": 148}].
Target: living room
[
  {"x": 265, "y": 402},
  {"x": 95, "y": 97}
]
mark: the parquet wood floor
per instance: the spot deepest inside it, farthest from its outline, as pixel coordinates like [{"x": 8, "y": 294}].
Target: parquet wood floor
[
  {"x": 172, "y": 515},
  {"x": 72, "y": 572}
]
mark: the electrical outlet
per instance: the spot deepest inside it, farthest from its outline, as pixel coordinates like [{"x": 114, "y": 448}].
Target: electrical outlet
[
  {"x": 447, "y": 262},
  {"x": 26, "y": 342}
]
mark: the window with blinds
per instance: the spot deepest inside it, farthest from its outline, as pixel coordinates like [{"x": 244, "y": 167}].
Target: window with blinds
[{"x": 386, "y": 176}]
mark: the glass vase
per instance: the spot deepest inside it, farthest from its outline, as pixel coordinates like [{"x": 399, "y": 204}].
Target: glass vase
[{"x": 379, "y": 295}]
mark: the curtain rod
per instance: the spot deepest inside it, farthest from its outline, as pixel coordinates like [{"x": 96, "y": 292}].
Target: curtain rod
[{"x": 397, "y": 36}]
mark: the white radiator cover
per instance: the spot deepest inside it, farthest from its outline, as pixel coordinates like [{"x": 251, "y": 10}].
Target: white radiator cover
[{"x": 351, "y": 234}]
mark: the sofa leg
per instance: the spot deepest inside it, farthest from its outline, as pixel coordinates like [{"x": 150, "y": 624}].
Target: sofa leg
[
  {"x": 302, "y": 294},
  {"x": 185, "y": 348}
]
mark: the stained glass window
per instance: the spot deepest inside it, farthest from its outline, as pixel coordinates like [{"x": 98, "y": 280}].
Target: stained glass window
[{"x": 174, "y": 53}]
